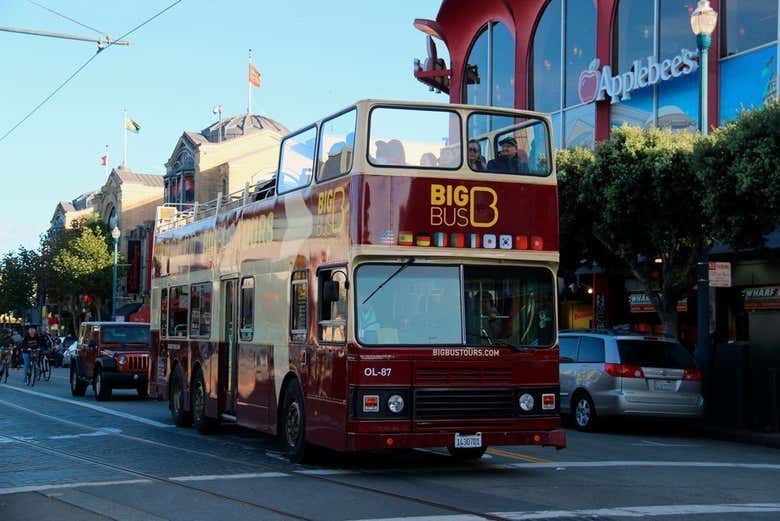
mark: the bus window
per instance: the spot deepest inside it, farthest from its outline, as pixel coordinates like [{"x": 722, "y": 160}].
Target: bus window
[
  {"x": 179, "y": 307},
  {"x": 518, "y": 145},
  {"x": 200, "y": 310},
  {"x": 164, "y": 312},
  {"x": 247, "y": 326},
  {"x": 408, "y": 137},
  {"x": 297, "y": 160},
  {"x": 336, "y": 146},
  {"x": 299, "y": 307},
  {"x": 333, "y": 311}
]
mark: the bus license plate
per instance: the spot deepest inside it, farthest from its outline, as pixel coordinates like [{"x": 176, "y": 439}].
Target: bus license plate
[{"x": 468, "y": 441}]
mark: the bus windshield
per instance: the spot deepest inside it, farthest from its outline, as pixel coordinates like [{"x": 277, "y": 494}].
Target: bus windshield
[
  {"x": 436, "y": 305},
  {"x": 508, "y": 144},
  {"x": 414, "y": 137}
]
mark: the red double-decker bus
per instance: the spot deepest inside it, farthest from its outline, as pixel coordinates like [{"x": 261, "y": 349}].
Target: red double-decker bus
[{"x": 393, "y": 285}]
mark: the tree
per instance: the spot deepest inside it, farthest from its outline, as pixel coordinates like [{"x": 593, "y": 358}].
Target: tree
[
  {"x": 18, "y": 274},
  {"x": 78, "y": 265},
  {"x": 649, "y": 193}
]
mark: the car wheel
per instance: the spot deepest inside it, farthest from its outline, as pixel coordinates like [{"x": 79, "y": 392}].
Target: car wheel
[
  {"x": 101, "y": 387},
  {"x": 292, "y": 428},
  {"x": 470, "y": 454},
  {"x": 584, "y": 413},
  {"x": 181, "y": 418},
  {"x": 200, "y": 421},
  {"x": 78, "y": 387}
]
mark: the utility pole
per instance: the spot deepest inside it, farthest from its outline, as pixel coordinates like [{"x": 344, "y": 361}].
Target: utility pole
[{"x": 102, "y": 43}]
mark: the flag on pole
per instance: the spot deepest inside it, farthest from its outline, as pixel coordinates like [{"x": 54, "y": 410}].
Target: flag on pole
[
  {"x": 103, "y": 160},
  {"x": 254, "y": 76},
  {"x": 131, "y": 125}
]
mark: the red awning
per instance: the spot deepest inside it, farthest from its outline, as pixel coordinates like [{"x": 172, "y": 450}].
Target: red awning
[{"x": 142, "y": 315}]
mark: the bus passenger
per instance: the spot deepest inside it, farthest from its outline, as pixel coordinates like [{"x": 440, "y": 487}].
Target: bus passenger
[
  {"x": 509, "y": 161},
  {"x": 390, "y": 153},
  {"x": 475, "y": 158},
  {"x": 428, "y": 160}
]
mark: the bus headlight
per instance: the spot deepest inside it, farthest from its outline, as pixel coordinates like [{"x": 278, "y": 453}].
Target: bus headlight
[
  {"x": 526, "y": 402},
  {"x": 395, "y": 403}
]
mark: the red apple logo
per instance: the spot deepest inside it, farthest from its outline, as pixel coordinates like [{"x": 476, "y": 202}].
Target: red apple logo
[{"x": 589, "y": 82}]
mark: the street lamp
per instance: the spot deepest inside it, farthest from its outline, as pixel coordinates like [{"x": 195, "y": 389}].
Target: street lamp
[
  {"x": 703, "y": 20},
  {"x": 115, "y": 233}
]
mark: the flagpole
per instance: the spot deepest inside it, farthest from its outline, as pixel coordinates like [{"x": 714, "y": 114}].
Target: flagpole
[
  {"x": 249, "y": 83},
  {"x": 124, "y": 126},
  {"x": 107, "y": 159}
]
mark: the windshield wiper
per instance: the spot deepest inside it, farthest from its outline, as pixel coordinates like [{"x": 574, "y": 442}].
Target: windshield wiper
[
  {"x": 501, "y": 342},
  {"x": 388, "y": 279}
]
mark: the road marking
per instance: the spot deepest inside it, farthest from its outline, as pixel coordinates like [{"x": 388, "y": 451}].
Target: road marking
[
  {"x": 639, "y": 511},
  {"x": 215, "y": 477},
  {"x": 100, "y": 432},
  {"x": 646, "y": 443},
  {"x": 104, "y": 410},
  {"x": 40, "y": 488},
  {"x": 609, "y": 464},
  {"x": 516, "y": 455},
  {"x": 324, "y": 472}
]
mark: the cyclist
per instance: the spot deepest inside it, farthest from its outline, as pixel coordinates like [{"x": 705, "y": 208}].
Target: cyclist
[{"x": 30, "y": 342}]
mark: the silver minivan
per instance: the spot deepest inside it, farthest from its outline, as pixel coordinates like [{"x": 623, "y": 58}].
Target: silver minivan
[{"x": 612, "y": 373}]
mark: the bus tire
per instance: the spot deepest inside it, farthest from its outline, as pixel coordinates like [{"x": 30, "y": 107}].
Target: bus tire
[
  {"x": 470, "y": 454},
  {"x": 181, "y": 418},
  {"x": 200, "y": 421},
  {"x": 292, "y": 423}
]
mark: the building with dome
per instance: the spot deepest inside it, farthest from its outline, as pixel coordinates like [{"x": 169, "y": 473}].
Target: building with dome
[{"x": 222, "y": 158}]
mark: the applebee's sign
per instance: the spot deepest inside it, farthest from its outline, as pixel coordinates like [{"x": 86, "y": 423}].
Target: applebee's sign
[{"x": 596, "y": 85}]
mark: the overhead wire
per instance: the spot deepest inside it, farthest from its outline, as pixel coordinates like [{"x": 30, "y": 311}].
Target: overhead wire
[
  {"x": 33, "y": 2},
  {"x": 78, "y": 70}
]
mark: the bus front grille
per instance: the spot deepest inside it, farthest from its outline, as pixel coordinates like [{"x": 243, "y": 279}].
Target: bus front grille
[{"x": 451, "y": 404}]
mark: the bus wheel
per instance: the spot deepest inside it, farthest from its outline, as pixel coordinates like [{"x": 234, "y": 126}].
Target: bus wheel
[
  {"x": 292, "y": 426},
  {"x": 470, "y": 454},
  {"x": 200, "y": 421},
  {"x": 181, "y": 418}
]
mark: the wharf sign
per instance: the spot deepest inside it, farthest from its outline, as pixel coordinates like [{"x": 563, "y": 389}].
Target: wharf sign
[{"x": 597, "y": 85}]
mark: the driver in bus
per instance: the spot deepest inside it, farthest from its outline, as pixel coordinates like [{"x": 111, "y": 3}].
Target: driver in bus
[{"x": 510, "y": 160}]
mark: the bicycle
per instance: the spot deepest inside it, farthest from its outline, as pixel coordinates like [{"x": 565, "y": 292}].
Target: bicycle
[
  {"x": 44, "y": 365},
  {"x": 5, "y": 355},
  {"x": 34, "y": 374}
]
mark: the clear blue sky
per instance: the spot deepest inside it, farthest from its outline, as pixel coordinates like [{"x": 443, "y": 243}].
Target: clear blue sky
[{"x": 315, "y": 57}]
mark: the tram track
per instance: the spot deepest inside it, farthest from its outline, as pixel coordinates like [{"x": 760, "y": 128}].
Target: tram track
[{"x": 266, "y": 467}]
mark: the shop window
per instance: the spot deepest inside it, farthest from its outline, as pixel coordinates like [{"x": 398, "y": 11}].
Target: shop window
[
  {"x": 164, "y": 312},
  {"x": 747, "y": 24},
  {"x": 747, "y": 81},
  {"x": 337, "y": 145},
  {"x": 247, "y": 325},
  {"x": 178, "y": 306},
  {"x": 200, "y": 310},
  {"x": 489, "y": 77},
  {"x": 672, "y": 103},
  {"x": 332, "y": 323},
  {"x": 188, "y": 189},
  {"x": 564, "y": 46},
  {"x": 297, "y": 160},
  {"x": 299, "y": 306}
]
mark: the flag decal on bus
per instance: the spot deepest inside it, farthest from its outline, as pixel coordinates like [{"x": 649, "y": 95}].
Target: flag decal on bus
[
  {"x": 405, "y": 238},
  {"x": 458, "y": 240},
  {"x": 423, "y": 239},
  {"x": 474, "y": 240},
  {"x": 489, "y": 241},
  {"x": 505, "y": 242},
  {"x": 387, "y": 237},
  {"x": 440, "y": 239}
]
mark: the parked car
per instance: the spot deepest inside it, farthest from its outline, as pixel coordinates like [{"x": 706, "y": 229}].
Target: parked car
[
  {"x": 110, "y": 355},
  {"x": 613, "y": 373}
]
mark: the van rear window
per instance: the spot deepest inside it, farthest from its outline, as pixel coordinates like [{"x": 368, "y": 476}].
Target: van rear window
[{"x": 650, "y": 353}]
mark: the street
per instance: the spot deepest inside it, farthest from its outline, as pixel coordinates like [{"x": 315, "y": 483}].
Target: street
[{"x": 74, "y": 459}]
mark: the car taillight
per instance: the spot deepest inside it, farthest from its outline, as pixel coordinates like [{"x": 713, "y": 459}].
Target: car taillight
[
  {"x": 624, "y": 370},
  {"x": 692, "y": 374}
]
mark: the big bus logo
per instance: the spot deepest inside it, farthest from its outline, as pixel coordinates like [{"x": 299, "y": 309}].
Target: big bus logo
[{"x": 457, "y": 205}]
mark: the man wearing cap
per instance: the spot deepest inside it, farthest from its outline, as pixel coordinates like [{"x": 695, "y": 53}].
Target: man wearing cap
[{"x": 508, "y": 161}]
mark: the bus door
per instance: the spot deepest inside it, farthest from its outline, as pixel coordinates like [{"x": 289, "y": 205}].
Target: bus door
[{"x": 229, "y": 359}]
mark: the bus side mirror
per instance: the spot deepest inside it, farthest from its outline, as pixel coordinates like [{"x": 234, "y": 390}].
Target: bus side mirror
[{"x": 330, "y": 291}]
